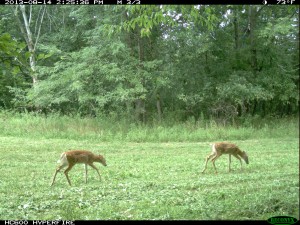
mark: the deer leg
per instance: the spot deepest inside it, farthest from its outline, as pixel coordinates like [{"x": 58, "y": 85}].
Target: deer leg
[
  {"x": 85, "y": 166},
  {"x": 208, "y": 158},
  {"x": 213, "y": 161},
  {"x": 239, "y": 158},
  {"x": 56, "y": 171},
  {"x": 93, "y": 166},
  {"x": 66, "y": 173},
  {"x": 229, "y": 169}
]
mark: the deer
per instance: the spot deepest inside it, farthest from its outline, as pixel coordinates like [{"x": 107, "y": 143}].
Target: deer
[
  {"x": 220, "y": 148},
  {"x": 72, "y": 157}
]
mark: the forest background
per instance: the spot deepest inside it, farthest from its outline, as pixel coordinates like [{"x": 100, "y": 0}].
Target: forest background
[{"x": 150, "y": 64}]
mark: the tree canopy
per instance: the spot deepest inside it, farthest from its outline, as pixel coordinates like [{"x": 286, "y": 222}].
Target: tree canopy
[{"x": 150, "y": 62}]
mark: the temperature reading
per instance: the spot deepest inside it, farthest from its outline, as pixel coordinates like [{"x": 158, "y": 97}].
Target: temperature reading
[{"x": 283, "y": 2}]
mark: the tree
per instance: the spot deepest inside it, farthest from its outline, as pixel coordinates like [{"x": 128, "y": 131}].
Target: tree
[
  {"x": 150, "y": 63},
  {"x": 12, "y": 63},
  {"x": 26, "y": 28}
]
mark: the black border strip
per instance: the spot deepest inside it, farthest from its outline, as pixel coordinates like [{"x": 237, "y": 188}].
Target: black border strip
[{"x": 151, "y": 2}]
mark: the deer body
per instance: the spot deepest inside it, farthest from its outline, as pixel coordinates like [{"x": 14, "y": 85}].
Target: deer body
[
  {"x": 220, "y": 148},
  {"x": 70, "y": 158}
]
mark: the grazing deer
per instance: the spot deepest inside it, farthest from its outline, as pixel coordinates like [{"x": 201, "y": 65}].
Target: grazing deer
[
  {"x": 72, "y": 157},
  {"x": 221, "y": 148}
]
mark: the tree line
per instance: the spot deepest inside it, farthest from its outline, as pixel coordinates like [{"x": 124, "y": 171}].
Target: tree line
[{"x": 151, "y": 62}]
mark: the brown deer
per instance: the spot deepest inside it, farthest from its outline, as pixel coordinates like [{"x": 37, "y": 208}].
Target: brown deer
[
  {"x": 221, "y": 148},
  {"x": 72, "y": 157}
]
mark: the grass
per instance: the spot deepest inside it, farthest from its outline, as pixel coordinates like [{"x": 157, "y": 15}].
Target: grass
[
  {"x": 148, "y": 181},
  {"x": 153, "y": 171},
  {"x": 109, "y": 130}
]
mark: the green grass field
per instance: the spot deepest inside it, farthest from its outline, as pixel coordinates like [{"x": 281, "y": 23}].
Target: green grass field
[{"x": 149, "y": 181}]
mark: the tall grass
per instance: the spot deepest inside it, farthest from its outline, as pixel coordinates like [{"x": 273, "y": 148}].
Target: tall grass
[
  {"x": 109, "y": 129},
  {"x": 147, "y": 180}
]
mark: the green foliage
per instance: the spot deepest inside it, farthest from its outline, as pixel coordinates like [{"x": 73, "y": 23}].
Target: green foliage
[
  {"x": 124, "y": 129},
  {"x": 239, "y": 90},
  {"x": 12, "y": 62},
  {"x": 146, "y": 62},
  {"x": 149, "y": 181}
]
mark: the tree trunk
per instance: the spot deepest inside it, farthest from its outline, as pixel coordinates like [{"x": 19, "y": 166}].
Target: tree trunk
[
  {"x": 140, "y": 112},
  {"x": 140, "y": 106},
  {"x": 236, "y": 37},
  {"x": 251, "y": 28},
  {"x": 236, "y": 28},
  {"x": 158, "y": 107},
  {"x": 29, "y": 37}
]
